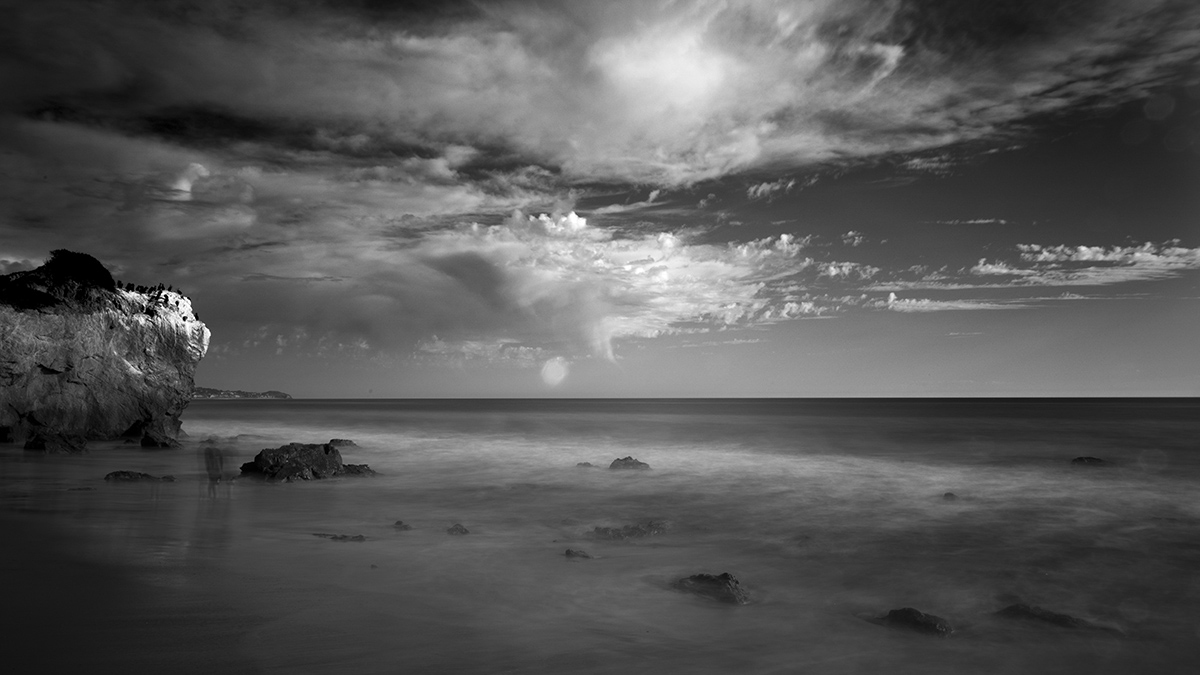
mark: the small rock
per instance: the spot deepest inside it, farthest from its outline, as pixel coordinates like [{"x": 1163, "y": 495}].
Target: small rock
[
  {"x": 921, "y": 622},
  {"x": 586, "y": 465},
  {"x": 722, "y": 588},
  {"x": 342, "y": 442},
  {"x": 374, "y": 567},
  {"x": 646, "y": 529},
  {"x": 1034, "y": 613},
  {"x": 340, "y": 537},
  {"x": 1089, "y": 461},
  {"x": 80, "y": 489},
  {"x": 129, "y": 476},
  {"x": 401, "y": 525},
  {"x": 950, "y": 496},
  {"x": 573, "y": 553},
  {"x": 457, "y": 529},
  {"x": 628, "y": 463}
]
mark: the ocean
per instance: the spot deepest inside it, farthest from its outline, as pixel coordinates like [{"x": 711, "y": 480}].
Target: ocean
[{"x": 829, "y": 513}]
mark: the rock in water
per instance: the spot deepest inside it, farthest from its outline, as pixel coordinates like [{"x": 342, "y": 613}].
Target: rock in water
[
  {"x": 1035, "y": 613},
  {"x": 722, "y": 587},
  {"x": 636, "y": 531},
  {"x": 296, "y": 461},
  {"x": 628, "y": 463},
  {"x": 1089, "y": 461},
  {"x": 132, "y": 476},
  {"x": 457, "y": 528},
  {"x": 577, "y": 553},
  {"x": 342, "y": 442},
  {"x": 912, "y": 619},
  {"x": 401, "y": 525},
  {"x": 86, "y": 360}
]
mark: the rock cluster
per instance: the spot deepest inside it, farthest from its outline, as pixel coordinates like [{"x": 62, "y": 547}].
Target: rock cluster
[
  {"x": 636, "y": 531},
  {"x": 133, "y": 476},
  {"x": 83, "y": 358}
]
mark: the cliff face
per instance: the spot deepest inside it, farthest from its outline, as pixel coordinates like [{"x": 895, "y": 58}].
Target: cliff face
[{"x": 81, "y": 358}]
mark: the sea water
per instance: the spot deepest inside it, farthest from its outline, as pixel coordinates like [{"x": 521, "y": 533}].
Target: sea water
[{"x": 828, "y": 512}]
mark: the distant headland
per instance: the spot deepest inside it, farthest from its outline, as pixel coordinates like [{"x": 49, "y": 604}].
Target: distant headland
[{"x": 208, "y": 392}]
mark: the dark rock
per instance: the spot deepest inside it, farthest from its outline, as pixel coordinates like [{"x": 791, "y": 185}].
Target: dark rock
[
  {"x": 1034, "y": 613},
  {"x": 50, "y": 442},
  {"x": 340, "y": 537},
  {"x": 911, "y": 619},
  {"x": 950, "y": 496},
  {"x": 401, "y": 525},
  {"x": 574, "y": 553},
  {"x": 457, "y": 529},
  {"x": 646, "y": 529},
  {"x": 302, "y": 461},
  {"x": 586, "y": 465},
  {"x": 722, "y": 588},
  {"x": 628, "y": 463},
  {"x": 1089, "y": 461},
  {"x": 342, "y": 442},
  {"x": 130, "y": 476},
  {"x": 357, "y": 470},
  {"x": 83, "y": 359},
  {"x": 80, "y": 489},
  {"x": 158, "y": 440}
]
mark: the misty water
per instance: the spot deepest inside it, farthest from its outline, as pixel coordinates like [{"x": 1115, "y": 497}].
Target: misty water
[{"x": 829, "y": 513}]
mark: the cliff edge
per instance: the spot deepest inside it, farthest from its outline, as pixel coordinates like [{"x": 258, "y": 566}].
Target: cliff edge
[{"x": 83, "y": 358}]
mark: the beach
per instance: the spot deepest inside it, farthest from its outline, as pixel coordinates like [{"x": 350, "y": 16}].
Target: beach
[{"x": 829, "y": 513}]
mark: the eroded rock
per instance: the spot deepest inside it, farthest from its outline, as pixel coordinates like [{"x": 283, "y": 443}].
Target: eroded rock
[
  {"x": 721, "y": 587},
  {"x": 578, "y": 554},
  {"x": 457, "y": 529},
  {"x": 342, "y": 442},
  {"x": 87, "y": 359}
]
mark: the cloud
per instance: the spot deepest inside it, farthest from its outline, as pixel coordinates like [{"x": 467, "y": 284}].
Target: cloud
[
  {"x": 655, "y": 92},
  {"x": 911, "y": 305},
  {"x": 770, "y": 189}
]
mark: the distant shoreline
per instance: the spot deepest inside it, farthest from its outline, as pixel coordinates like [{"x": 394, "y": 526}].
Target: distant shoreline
[{"x": 225, "y": 394}]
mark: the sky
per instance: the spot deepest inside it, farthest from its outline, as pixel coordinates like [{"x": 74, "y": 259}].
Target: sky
[{"x": 628, "y": 198}]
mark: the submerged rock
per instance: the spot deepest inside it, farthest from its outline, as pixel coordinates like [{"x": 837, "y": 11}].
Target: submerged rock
[
  {"x": 638, "y": 530},
  {"x": 628, "y": 463},
  {"x": 577, "y": 553},
  {"x": 302, "y": 461},
  {"x": 457, "y": 528},
  {"x": 722, "y": 587},
  {"x": 912, "y": 619},
  {"x": 402, "y": 526},
  {"x": 1035, "y": 613},
  {"x": 130, "y": 476},
  {"x": 1089, "y": 461},
  {"x": 950, "y": 497},
  {"x": 87, "y": 359},
  {"x": 340, "y": 537}
]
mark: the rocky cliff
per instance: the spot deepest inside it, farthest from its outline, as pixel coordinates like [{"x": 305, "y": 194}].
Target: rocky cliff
[{"x": 82, "y": 358}]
